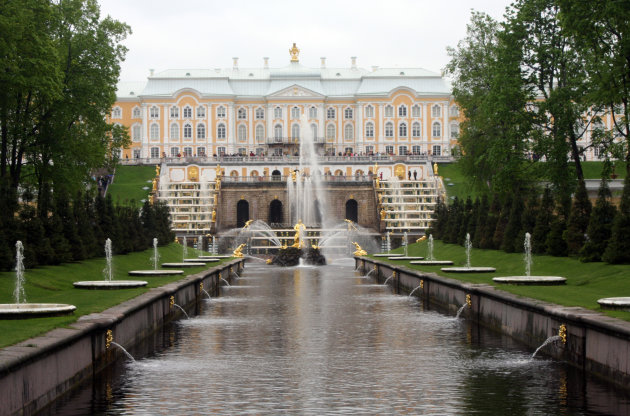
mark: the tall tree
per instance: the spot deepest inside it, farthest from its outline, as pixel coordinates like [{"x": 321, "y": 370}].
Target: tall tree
[{"x": 600, "y": 223}]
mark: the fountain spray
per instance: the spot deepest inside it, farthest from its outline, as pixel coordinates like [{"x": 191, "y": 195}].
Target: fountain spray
[
  {"x": 107, "y": 272},
  {"x": 18, "y": 293}
]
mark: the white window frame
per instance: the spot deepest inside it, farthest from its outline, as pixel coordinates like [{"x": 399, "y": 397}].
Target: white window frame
[
  {"x": 348, "y": 113},
  {"x": 220, "y": 111},
  {"x": 403, "y": 150},
  {"x": 389, "y": 130},
  {"x": 260, "y": 113},
  {"x": 416, "y": 130},
  {"x": 188, "y": 112},
  {"x": 241, "y": 113},
  {"x": 277, "y": 113},
  {"x": 416, "y": 111},
  {"x": 331, "y": 113},
  {"x": 136, "y": 112},
  {"x": 389, "y": 111},
  {"x": 454, "y": 130},
  {"x": 295, "y": 112},
  {"x": 174, "y": 112},
  {"x": 402, "y": 110},
  {"x": 260, "y": 133},
  {"x": 436, "y": 150},
  {"x": 436, "y": 130},
  {"x": 155, "y": 152},
  {"x": 402, "y": 129},
  {"x": 174, "y": 151},
  {"x": 154, "y": 131},
  {"x": 154, "y": 112},
  {"x": 312, "y": 112},
  {"x": 242, "y": 133},
  {"x": 136, "y": 132},
  {"x": 369, "y": 129},
  {"x": 201, "y": 130},
  {"x": 187, "y": 131},
  {"x": 295, "y": 131},
  {"x": 348, "y": 131},
  {"x": 201, "y": 111},
  {"x": 369, "y": 111},
  {"x": 116, "y": 112},
  {"x": 436, "y": 110},
  {"x": 174, "y": 131},
  {"x": 221, "y": 131},
  {"x": 277, "y": 131},
  {"x": 389, "y": 149},
  {"x": 331, "y": 131}
]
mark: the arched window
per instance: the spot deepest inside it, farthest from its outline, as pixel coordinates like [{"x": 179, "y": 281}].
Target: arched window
[
  {"x": 155, "y": 152},
  {"x": 174, "y": 151},
  {"x": 295, "y": 131},
  {"x": 137, "y": 113},
  {"x": 389, "y": 129},
  {"x": 389, "y": 111},
  {"x": 242, "y": 133},
  {"x": 136, "y": 132},
  {"x": 312, "y": 112},
  {"x": 260, "y": 114},
  {"x": 187, "y": 131},
  {"x": 436, "y": 111},
  {"x": 277, "y": 131},
  {"x": 348, "y": 113},
  {"x": 369, "y": 129},
  {"x": 201, "y": 131},
  {"x": 369, "y": 111},
  {"x": 352, "y": 210},
  {"x": 116, "y": 112},
  {"x": 201, "y": 112},
  {"x": 187, "y": 112},
  {"x": 330, "y": 131},
  {"x": 241, "y": 114},
  {"x": 416, "y": 129},
  {"x": 220, "y": 112},
  {"x": 348, "y": 132},
  {"x": 415, "y": 111},
  {"x": 436, "y": 129},
  {"x": 330, "y": 113},
  {"x": 175, "y": 131},
  {"x": 154, "y": 131},
  {"x": 402, "y": 130},
  {"x": 260, "y": 133},
  {"x": 221, "y": 131},
  {"x": 275, "y": 212},
  {"x": 295, "y": 112},
  {"x": 154, "y": 112},
  {"x": 314, "y": 131},
  {"x": 277, "y": 112},
  {"x": 454, "y": 130},
  {"x": 402, "y": 111},
  {"x": 174, "y": 112},
  {"x": 454, "y": 111}
]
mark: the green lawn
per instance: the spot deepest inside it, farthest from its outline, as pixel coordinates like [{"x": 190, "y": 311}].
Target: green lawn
[
  {"x": 53, "y": 284},
  {"x": 128, "y": 184},
  {"x": 586, "y": 282}
]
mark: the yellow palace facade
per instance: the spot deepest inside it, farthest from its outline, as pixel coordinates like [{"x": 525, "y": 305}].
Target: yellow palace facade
[{"x": 256, "y": 111}]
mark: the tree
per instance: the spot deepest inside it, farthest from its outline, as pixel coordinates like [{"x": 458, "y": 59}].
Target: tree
[
  {"x": 486, "y": 240},
  {"x": 528, "y": 220},
  {"x": 502, "y": 222},
  {"x": 578, "y": 220},
  {"x": 513, "y": 226},
  {"x": 618, "y": 249},
  {"x": 480, "y": 223},
  {"x": 600, "y": 223}
]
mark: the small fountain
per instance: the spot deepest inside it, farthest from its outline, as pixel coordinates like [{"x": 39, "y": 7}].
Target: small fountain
[
  {"x": 108, "y": 282},
  {"x": 20, "y": 309},
  {"x": 562, "y": 336},
  {"x": 184, "y": 248},
  {"x": 466, "y": 304},
  {"x": 187, "y": 262},
  {"x": 155, "y": 259},
  {"x": 405, "y": 256},
  {"x": 420, "y": 286},
  {"x": 468, "y": 268},
  {"x": 204, "y": 290},
  {"x": 109, "y": 341},
  {"x": 430, "y": 259},
  {"x": 528, "y": 279},
  {"x": 390, "y": 277}
]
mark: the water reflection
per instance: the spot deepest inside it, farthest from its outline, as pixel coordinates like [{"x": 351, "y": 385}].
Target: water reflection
[{"x": 313, "y": 341}]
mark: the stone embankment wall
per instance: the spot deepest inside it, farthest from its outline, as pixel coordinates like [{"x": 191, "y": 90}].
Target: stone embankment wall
[
  {"x": 35, "y": 372},
  {"x": 596, "y": 343}
]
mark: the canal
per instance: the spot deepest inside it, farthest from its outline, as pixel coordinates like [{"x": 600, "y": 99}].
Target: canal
[{"x": 326, "y": 340}]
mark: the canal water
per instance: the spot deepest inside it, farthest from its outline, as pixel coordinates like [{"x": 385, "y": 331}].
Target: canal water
[{"x": 325, "y": 340}]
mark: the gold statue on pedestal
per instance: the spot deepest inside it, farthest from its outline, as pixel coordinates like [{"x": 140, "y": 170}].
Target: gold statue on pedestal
[
  {"x": 294, "y": 51},
  {"x": 383, "y": 214},
  {"x": 154, "y": 184},
  {"x": 435, "y": 168},
  {"x": 218, "y": 171},
  {"x": 299, "y": 229},
  {"x": 157, "y": 170},
  {"x": 239, "y": 251},
  {"x": 359, "y": 251},
  {"x": 214, "y": 215},
  {"x": 378, "y": 183},
  {"x": 294, "y": 176}
]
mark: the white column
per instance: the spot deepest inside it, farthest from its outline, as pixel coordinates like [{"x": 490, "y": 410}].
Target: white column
[
  {"x": 145, "y": 126},
  {"x": 359, "y": 124},
  {"x": 381, "y": 127},
  {"x": 167, "y": 130},
  {"x": 285, "y": 114},
  {"x": 445, "y": 144},
  {"x": 230, "y": 129},
  {"x": 250, "y": 115},
  {"x": 268, "y": 120}
]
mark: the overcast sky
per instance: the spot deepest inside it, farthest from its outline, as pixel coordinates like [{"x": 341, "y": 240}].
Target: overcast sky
[{"x": 170, "y": 34}]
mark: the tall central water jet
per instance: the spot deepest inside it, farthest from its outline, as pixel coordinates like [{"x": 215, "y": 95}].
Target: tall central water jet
[
  {"x": 108, "y": 272},
  {"x": 528, "y": 254},
  {"x": 18, "y": 293}
]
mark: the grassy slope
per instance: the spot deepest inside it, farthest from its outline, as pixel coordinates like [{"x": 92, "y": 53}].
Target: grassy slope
[
  {"x": 128, "y": 184},
  {"x": 586, "y": 282},
  {"x": 53, "y": 284}
]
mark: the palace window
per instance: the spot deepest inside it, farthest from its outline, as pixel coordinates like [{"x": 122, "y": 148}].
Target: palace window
[
  {"x": 241, "y": 152},
  {"x": 221, "y": 131},
  {"x": 136, "y": 132},
  {"x": 174, "y": 112},
  {"x": 437, "y": 150},
  {"x": 116, "y": 112},
  {"x": 436, "y": 111},
  {"x": 369, "y": 111},
  {"x": 174, "y": 151},
  {"x": 277, "y": 112},
  {"x": 187, "y": 112},
  {"x": 260, "y": 114},
  {"x": 436, "y": 130},
  {"x": 201, "y": 131},
  {"x": 260, "y": 133},
  {"x": 454, "y": 130},
  {"x": 314, "y": 131},
  {"x": 154, "y": 131},
  {"x": 402, "y": 150},
  {"x": 295, "y": 131},
  {"x": 330, "y": 132},
  {"x": 155, "y": 152},
  {"x": 330, "y": 113},
  {"x": 187, "y": 131},
  {"x": 242, "y": 133},
  {"x": 389, "y": 111},
  {"x": 221, "y": 151},
  {"x": 295, "y": 112},
  {"x": 402, "y": 130},
  {"x": 415, "y": 150},
  {"x": 260, "y": 151},
  {"x": 369, "y": 129},
  {"x": 174, "y": 131},
  {"x": 312, "y": 112},
  {"x": 348, "y": 150},
  {"x": 415, "y": 111},
  {"x": 154, "y": 112},
  {"x": 201, "y": 151},
  {"x": 137, "y": 113},
  {"x": 402, "y": 111},
  {"x": 369, "y": 150},
  {"x": 136, "y": 153},
  {"x": 201, "y": 112},
  {"x": 389, "y": 129},
  {"x": 187, "y": 151},
  {"x": 277, "y": 132},
  {"x": 241, "y": 114},
  {"x": 389, "y": 150},
  {"x": 348, "y": 113},
  {"x": 348, "y": 132},
  {"x": 416, "y": 130},
  {"x": 454, "y": 111},
  {"x": 220, "y": 112}
]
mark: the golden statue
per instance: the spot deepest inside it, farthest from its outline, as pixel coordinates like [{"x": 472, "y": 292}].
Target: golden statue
[
  {"x": 154, "y": 184},
  {"x": 157, "y": 170},
  {"x": 214, "y": 215},
  {"x": 218, "y": 171},
  {"x": 378, "y": 183},
  {"x": 359, "y": 251},
  {"x": 375, "y": 169},
  {"x": 350, "y": 225},
  {"x": 247, "y": 224},
  {"x": 435, "y": 169},
  {"x": 421, "y": 239},
  {"x": 294, "y": 51},
  {"x": 294, "y": 176},
  {"x": 268, "y": 261},
  {"x": 218, "y": 184},
  {"x": 297, "y": 240},
  {"x": 238, "y": 252},
  {"x": 380, "y": 198},
  {"x": 383, "y": 213}
]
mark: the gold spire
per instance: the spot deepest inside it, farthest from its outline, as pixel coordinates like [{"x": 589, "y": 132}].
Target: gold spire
[{"x": 294, "y": 51}]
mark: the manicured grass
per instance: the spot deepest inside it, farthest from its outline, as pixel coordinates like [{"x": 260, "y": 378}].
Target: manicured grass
[
  {"x": 586, "y": 282},
  {"x": 593, "y": 170},
  {"x": 53, "y": 284},
  {"x": 128, "y": 184},
  {"x": 452, "y": 174}
]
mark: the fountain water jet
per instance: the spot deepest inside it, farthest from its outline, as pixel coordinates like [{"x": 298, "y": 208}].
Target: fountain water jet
[
  {"x": 430, "y": 259},
  {"x": 155, "y": 260},
  {"x": 123, "y": 350},
  {"x": 108, "y": 272},
  {"x": 411, "y": 293},
  {"x": 390, "y": 277},
  {"x": 181, "y": 309},
  {"x": 468, "y": 268}
]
